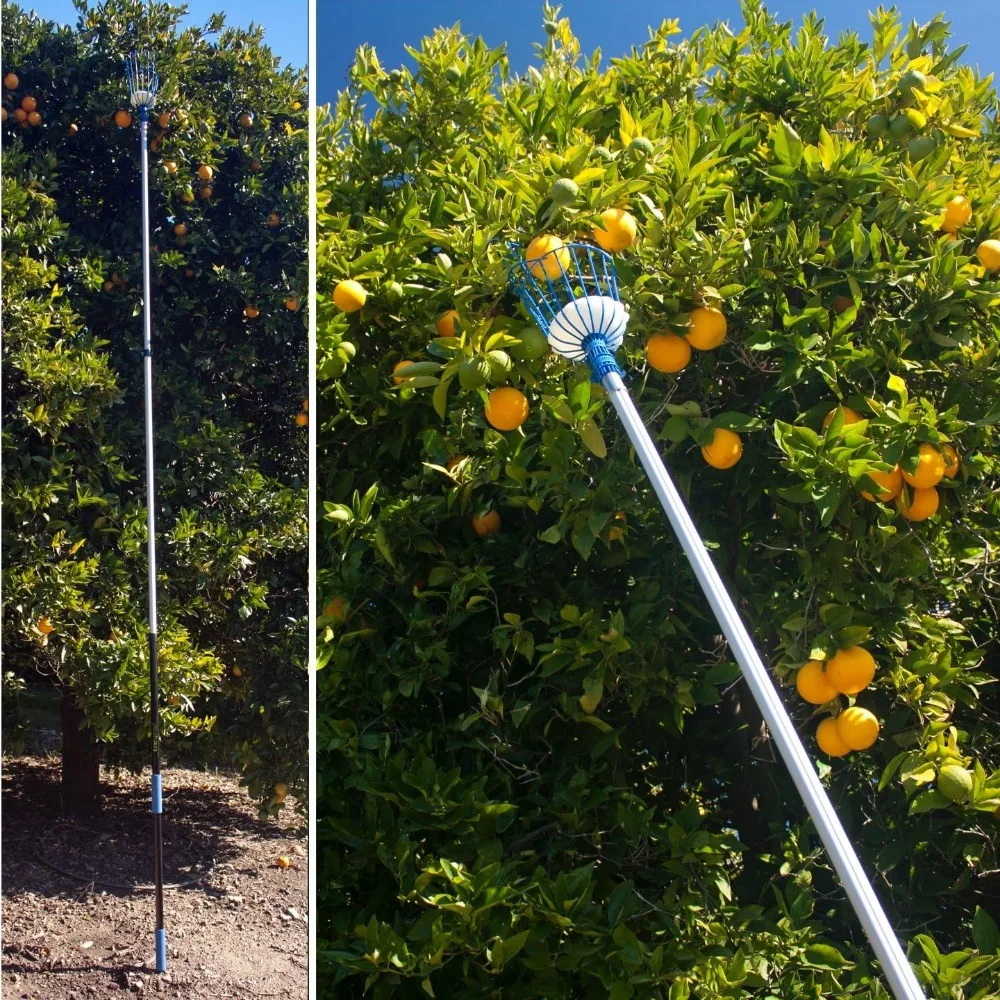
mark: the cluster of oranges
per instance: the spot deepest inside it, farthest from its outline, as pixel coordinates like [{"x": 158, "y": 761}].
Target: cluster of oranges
[
  {"x": 922, "y": 500},
  {"x": 302, "y": 417},
  {"x": 848, "y": 672},
  {"x": 26, "y": 113},
  {"x": 958, "y": 213}
]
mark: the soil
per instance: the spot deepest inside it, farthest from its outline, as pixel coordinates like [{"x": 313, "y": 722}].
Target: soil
[{"x": 78, "y": 910}]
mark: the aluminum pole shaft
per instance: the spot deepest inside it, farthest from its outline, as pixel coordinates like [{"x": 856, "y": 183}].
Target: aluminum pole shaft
[
  {"x": 154, "y": 687},
  {"x": 838, "y": 845}
]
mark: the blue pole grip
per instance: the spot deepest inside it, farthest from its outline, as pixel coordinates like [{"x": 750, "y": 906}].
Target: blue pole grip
[
  {"x": 161, "y": 950},
  {"x": 600, "y": 357},
  {"x": 157, "y": 794}
]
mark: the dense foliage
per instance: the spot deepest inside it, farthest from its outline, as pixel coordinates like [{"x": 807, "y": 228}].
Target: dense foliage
[
  {"x": 541, "y": 775},
  {"x": 230, "y": 458}
]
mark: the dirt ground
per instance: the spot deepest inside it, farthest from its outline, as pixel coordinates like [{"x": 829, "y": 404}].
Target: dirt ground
[{"x": 78, "y": 914}]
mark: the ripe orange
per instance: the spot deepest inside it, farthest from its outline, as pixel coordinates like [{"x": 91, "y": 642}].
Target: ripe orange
[
  {"x": 547, "y": 256},
  {"x": 666, "y": 352},
  {"x": 506, "y": 408},
  {"x": 707, "y": 328},
  {"x": 280, "y": 790},
  {"x": 3, "y": 114},
  {"x": 487, "y": 524},
  {"x": 395, "y": 368},
  {"x": 205, "y": 172},
  {"x": 251, "y": 312},
  {"x": 957, "y": 213},
  {"x": 72, "y": 128},
  {"x": 924, "y": 504},
  {"x": 34, "y": 118},
  {"x": 891, "y": 483},
  {"x": 170, "y": 167},
  {"x": 349, "y": 296},
  {"x": 21, "y": 115},
  {"x": 29, "y": 104},
  {"x": 246, "y": 119},
  {"x": 164, "y": 119},
  {"x": 829, "y": 739},
  {"x": 301, "y": 419},
  {"x": 273, "y": 220},
  {"x": 255, "y": 166},
  {"x": 11, "y": 81},
  {"x": 813, "y": 685},
  {"x": 445, "y": 323},
  {"x": 951, "y": 461},
  {"x": 122, "y": 118},
  {"x": 930, "y": 468},
  {"x": 180, "y": 229},
  {"x": 292, "y": 303},
  {"x": 725, "y": 450},
  {"x": 857, "y": 728},
  {"x": 108, "y": 286},
  {"x": 205, "y": 193},
  {"x": 336, "y": 608},
  {"x": 618, "y": 232},
  {"x": 455, "y": 460},
  {"x": 188, "y": 196},
  {"x": 842, "y": 303},
  {"x": 988, "y": 253},
  {"x": 45, "y": 626},
  {"x": 283, "y": 861},
  {"x": 851, "y": 669},
  {"x": 305, "y": 405},
  {"x": 850, "y": 416}
]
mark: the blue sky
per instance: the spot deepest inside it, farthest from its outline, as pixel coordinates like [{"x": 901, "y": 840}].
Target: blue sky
[
  {"x": 611, "y": 25},
  {"x": 286, "y": 24}
]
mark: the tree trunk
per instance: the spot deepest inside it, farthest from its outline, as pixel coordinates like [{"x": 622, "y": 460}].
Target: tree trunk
[{"x": 81, "y": 762}]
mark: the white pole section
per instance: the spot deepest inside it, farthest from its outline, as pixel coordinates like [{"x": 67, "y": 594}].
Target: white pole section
[{"x": 838, "y": 846}]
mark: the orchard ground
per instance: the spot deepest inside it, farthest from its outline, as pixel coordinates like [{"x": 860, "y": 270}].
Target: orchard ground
[{"x": 77, "y": 924}]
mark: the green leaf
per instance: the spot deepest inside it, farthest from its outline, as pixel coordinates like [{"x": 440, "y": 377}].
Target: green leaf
[
  {"x": 985, "y": 933},
  {"x": 825, "y": 956},
  {"x": 787, "y": 145},
  {"x": 591, "y": 435}
]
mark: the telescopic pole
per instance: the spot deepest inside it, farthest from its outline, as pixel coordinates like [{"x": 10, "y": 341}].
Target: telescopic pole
[
  {"x": 572, "y": 294},
  {"x": 154, "y": 686},
  {"x": 838, "y": 846}
]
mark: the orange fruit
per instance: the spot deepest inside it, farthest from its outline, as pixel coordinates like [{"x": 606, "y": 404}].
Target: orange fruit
[
  {"x": 283, "y": 861},
  {"x": 255, "y": 166},
  {"x": 506, "y": 408},
  {"x": 72, "y": 128},
  {"x": 237, "y": 671},
  {"x": 829, "y": 739},
  {"x": 666, "y": 352},
  {"x": 273, "y": 220},
  {"x": 189, "y": 272},
  {"x": 725, "y": 450},
  {"x": 34, "y": 118},
  {"x": 164, "y": 119},
  {"x": 280, "y": 790},
  {"x": 707, "y": 328},
  {"x": 170, "y": 167},
  {"x": 891, "y": 483},
  {"x": 301, "y": 419},
  {"x": 615, "y": 534},
  {"x": 957, "y": 213},
  {"x": 395, "y": 368},
  {"x": 45, "y": 626},
  {"x": 292, "y": 303},
  {"x": 857, "y": 728},
  {"x": 850, "y": 416},
  {"x": 930, "y": 468},
  {"x": 842, "y": 303},
  {"x": 455, "y": 460},
  {"x": 11, "y": 81},
  {"x": 246, "y": 119},
  {"x": 180, "y": 229},
  {"x": 618, "y": 232},
  {"x": 445, "y": 323},
  {"x": 336, "y": 608},
  {"x": 108, "y": 286},
  {"x": 988, "y": 253},
  {"x": 813, "y": 685},
  {"x": 29, "y": 104},
  {"x": 205, "y": 172},
  {"x": 21, "y": 115},
  {"x": 922, "y": 505},
  {"x": 3, "y": 114},
  {"x": 349, "y": 296},
  {"x": 205, "y": 193},
  {"x": 487, "y": 524},
  {"x": 251, "y": 312},
  {"x": 851, "y": 670},
  {"x": 305, "y": 405},
  {"x": 951, "y": 462},
  {"x": 122, "y": 118},
  {"x": 547, "y": 256}
]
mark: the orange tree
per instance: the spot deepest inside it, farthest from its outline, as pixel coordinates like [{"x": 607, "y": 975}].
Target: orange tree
[
  {"x": 228, "y": 206},
  {"x": 540, "y": 772}
]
